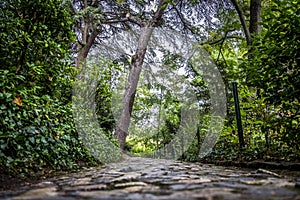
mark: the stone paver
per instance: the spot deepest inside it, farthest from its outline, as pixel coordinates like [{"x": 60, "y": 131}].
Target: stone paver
[{"x": 144, "y": 178}]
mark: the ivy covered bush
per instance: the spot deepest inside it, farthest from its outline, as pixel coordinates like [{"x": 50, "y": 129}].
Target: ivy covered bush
[{"x": 37, "y": 131}]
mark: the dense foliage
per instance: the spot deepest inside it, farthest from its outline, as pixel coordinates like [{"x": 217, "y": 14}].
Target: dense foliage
[
  {"x": 37, "y": 131},
  {"x": 268, "y": 89},
  {"x": 275, "y": 73}
]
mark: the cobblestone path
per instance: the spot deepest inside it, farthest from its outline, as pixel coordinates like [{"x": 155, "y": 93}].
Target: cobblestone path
[{"x": 143, "y": 178}]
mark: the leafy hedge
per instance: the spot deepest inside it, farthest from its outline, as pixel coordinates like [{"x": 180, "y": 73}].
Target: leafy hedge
[
  {"x": 36, "y": 125},
  {"x": 269, "y": 91}
]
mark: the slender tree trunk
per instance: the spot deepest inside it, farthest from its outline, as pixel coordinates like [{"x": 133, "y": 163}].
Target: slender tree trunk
[
  {"x": 255, "y": 17},
  {"x": 87, "y": 38},
  {"x": 254, "y": 26},
  {"x": 242, "y": 20},
  {"x": 134, "y": 75},
  {"x": 85, "y": 47}
]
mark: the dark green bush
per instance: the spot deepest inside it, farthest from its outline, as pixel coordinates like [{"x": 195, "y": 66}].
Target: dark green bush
[{"x": 37, "y": 131}]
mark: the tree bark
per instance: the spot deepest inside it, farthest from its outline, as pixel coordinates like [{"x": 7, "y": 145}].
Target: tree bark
[
  {"x": 85, "y": 47},
  {"x": 254, "y": 27},
  {"x": 88, "y": 39},
  {"x": 132, "y": 82},
  {"x": 255, "y": 17},
  {"x": 134, "y": 75}
]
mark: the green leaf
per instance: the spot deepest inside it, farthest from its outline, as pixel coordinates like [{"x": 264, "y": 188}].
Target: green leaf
[{"x": 32, "y": 140}]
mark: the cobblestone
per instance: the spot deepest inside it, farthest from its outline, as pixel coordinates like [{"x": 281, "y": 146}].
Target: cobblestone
[{"x": 144, "y": 178}]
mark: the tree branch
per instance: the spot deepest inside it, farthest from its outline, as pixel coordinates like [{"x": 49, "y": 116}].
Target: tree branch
[
  {"x": 90, "y": 42},
  {"x": 243, "y": 21},
  {"x": 135, "y": 19},
  {"x": 155, "y": 21},
  {"x": 114, "y": 21},
  {"x": 186, "y": 24},
  {"x": 223, "y": 38}
]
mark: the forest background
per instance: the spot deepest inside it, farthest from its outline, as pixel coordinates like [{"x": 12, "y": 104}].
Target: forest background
[{"x": 45, "y": 44}]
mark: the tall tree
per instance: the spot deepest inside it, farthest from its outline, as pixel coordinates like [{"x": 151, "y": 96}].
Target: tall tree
[
  {"x": 168, "y": 13},
  {"x": 99, "y": 19},
  {"x": 87, "y": 18},
  {"x": 147, "y": 28}
]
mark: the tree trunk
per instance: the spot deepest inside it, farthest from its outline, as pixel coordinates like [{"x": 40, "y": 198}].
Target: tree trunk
[
  {"x": 87, "y": 40},
  {"x": 255, "y": 19},
  {"x": 85, "y": 47},
  {"x": 243, "y": 21},
  {"x": 134, "y": 75},
  {"x": 132, "y": 82}
]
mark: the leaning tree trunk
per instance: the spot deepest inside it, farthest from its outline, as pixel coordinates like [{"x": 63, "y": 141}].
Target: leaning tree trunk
[
  {"x": 135, "y": 71},
  {"x": 84, "y": 49},
  {"x": 87, "y": 37},
  {"x": 132, "y": 82}
]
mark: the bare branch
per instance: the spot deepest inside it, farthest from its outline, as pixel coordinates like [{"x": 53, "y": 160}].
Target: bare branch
[
  {"x": 223, "y": 39},
  {"x": 135, "y": 19},
  {"x": 185, "y": 23},
  {"x": 114, "y": 21}
]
